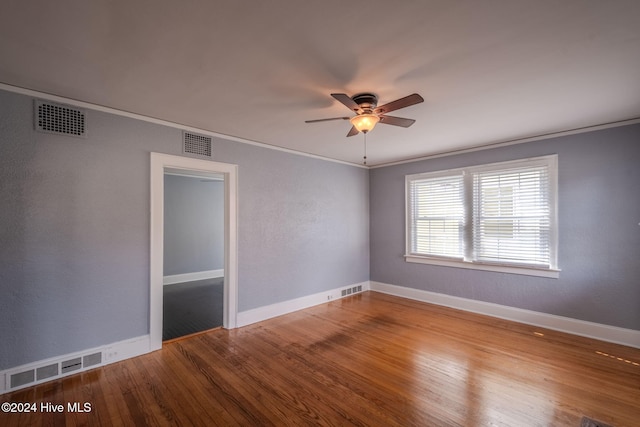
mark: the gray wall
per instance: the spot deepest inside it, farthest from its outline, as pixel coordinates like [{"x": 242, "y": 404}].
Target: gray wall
[
  {"x": 193, "y": 225},
  {"x": 599, "y": 238},
  {"x": 74, "y": 229}
]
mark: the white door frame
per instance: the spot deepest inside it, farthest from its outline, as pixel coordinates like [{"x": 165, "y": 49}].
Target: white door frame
[{"x": 160, "y": 163}]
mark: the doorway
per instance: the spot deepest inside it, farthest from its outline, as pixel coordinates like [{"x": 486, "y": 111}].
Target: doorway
[
  {"x": 162, "y": 164},
  {"x": 193, "y": 282}
]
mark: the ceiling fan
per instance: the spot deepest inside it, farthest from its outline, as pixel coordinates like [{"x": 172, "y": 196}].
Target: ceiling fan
[{"x": 368, "y": 114}]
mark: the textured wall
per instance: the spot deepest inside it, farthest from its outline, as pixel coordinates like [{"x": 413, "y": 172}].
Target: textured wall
[
  {"x": 74, "y": 229},
  {"x": 303, "y": 224},
  {"x": 599, "y": 238},
  {"x": 193, "y": 225}
]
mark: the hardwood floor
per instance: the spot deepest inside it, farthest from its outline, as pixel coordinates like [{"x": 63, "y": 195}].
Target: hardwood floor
[{"x": 367, "y": 360}]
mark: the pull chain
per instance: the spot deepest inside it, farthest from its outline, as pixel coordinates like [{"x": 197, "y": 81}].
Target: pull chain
[{"x": 365, "y": 148}]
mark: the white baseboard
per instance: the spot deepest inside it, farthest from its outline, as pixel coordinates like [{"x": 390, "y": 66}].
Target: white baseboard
[
  {"x": 109, "y": 353},
  {"x": 274, "y": 310},
  {"x": 628, "y": 337},
  {"x": 191, "y": 277}
]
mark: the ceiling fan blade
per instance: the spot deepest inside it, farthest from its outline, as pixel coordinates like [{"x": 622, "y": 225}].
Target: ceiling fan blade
[
  {"x": 396, "y": 121},
  {"x": 353, "y": 131},
  {"x": 326, "y": 120},
  {"x": 399, "y": 103},
  {"x": 347, "y": 101}
]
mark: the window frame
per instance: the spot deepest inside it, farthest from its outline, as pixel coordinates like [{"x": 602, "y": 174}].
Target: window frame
[
  {"x": 410, "y": 241},
  {"x": 549, "y": 161}
]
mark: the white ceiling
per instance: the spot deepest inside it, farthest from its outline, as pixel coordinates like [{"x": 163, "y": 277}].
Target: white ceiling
[{"x": 489, "y": 71}]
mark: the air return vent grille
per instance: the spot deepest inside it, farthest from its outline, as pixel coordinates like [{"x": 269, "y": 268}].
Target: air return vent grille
[
  {"x": 199, "y": 145},
  {"x": 61, "y": 119},
  {"x": 51, "y": 370},
  {"x": 352, "y": 290}
]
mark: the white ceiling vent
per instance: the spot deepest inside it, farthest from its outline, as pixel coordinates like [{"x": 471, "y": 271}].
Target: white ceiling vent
[
  {"x": 199, "y": 145},
  {"x": 60, "y": 119}
]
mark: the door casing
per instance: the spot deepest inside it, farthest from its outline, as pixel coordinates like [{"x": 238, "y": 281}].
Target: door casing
[{"x": 161, "y": 163}]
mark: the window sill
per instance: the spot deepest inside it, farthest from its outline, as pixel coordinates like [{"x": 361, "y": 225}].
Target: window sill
[{"x": 526, "y": 271}]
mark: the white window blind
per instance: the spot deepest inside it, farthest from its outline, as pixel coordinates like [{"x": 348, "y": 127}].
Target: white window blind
[
  {"x": 503, "y": 215},
  {"x": 511, "y": 216},
  {"x": 437, "y": 216}
]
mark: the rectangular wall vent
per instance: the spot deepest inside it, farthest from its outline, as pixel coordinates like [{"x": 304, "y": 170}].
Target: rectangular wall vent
[
  {"x": 50, "y": 370},
  {"x": 353, "y": 290},
  {"x": 64, "y": 365},
  {"x": 199, "y": 145},
  {"x": 51, "y": 117}
]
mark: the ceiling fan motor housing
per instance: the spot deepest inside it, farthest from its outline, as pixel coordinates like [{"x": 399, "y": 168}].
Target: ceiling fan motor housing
[{"x": 366, "y": 101}]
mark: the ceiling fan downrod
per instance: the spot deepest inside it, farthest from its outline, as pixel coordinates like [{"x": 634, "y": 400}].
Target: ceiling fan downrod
[{"x": 365, "y": 149}]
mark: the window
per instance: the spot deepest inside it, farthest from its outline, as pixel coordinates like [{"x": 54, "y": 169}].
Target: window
[
  {"x": 437, "y": 216},
  {"x": 499, "y": 217}
]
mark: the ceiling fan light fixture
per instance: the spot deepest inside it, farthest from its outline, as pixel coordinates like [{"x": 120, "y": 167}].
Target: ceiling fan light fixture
[{"x": 364, "y": 122}]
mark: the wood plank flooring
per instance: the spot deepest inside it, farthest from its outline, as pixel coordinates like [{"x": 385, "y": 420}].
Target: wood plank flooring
[{"x": 367, "y": 360}]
